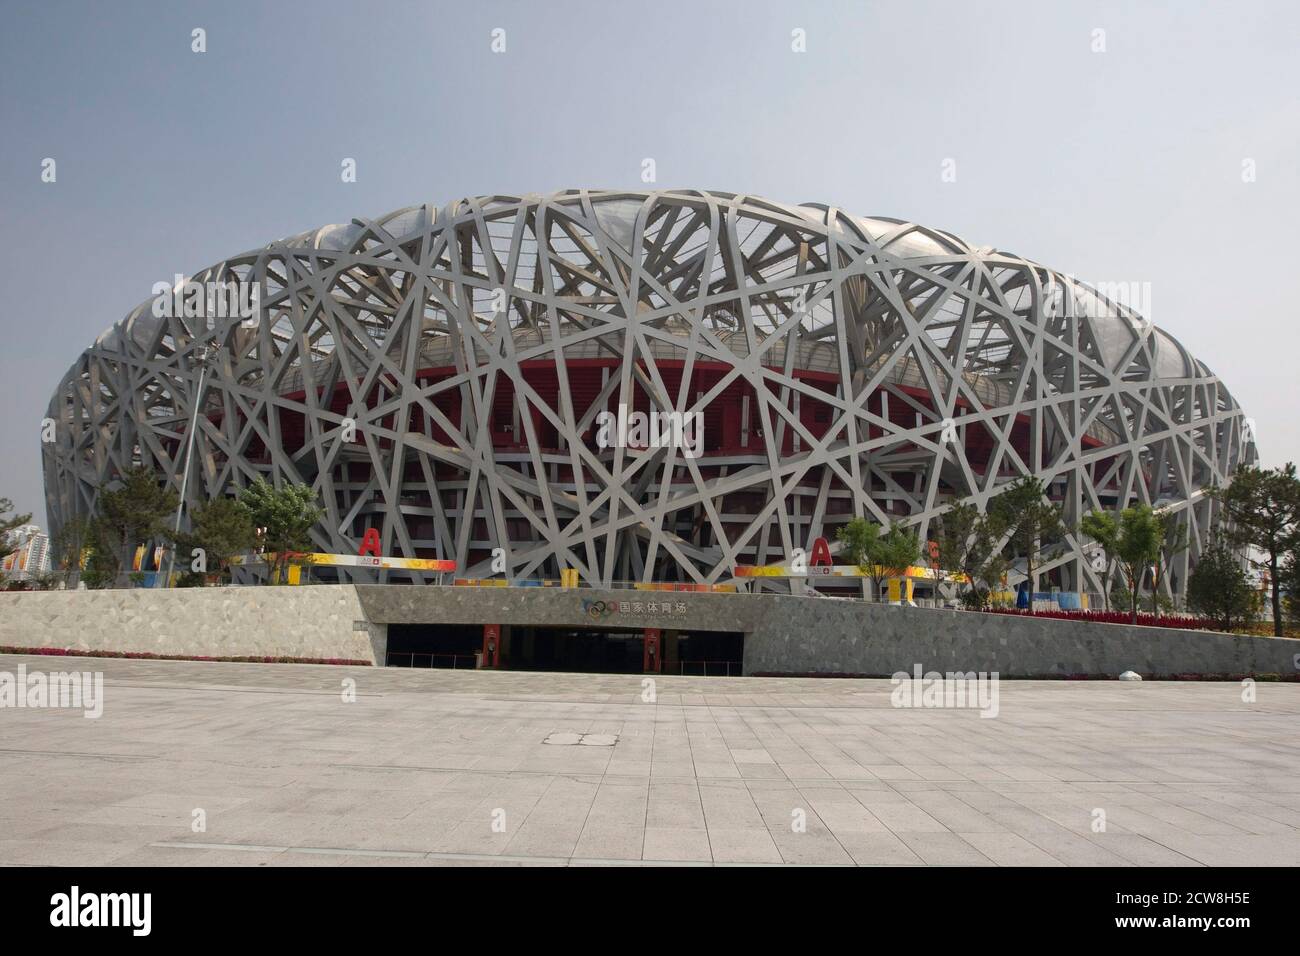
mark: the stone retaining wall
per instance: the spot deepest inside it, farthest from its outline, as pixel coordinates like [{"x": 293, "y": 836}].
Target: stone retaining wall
[
  {"x": 796, "y": 635},
  {"x": 783, "y": 635},
  {"x": 315, "y": 623}
]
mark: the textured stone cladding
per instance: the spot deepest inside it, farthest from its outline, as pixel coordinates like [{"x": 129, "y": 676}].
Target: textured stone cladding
[
  {"x": 792, "y": 635},
  {"x": 314, "y": 623},
  {"x": 783, "y": 635}
]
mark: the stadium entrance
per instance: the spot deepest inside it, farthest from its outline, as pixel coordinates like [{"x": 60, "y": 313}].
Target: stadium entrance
[
  {"x": 591, "y": 650},
  {"x": 434, "y": 645},
  {"x": 583, "y": 650}
]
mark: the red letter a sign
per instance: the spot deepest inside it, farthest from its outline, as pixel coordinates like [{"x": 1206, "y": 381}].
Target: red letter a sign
[
  {"x": 821, "y": 553},
  {"x": 370, "y": 543}
]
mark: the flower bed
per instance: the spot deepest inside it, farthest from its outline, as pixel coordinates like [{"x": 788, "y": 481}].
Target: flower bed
[{"x": 1184, "y": 621}]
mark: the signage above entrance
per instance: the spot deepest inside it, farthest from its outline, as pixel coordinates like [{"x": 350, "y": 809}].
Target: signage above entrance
[{"x": 600, "y": 610}]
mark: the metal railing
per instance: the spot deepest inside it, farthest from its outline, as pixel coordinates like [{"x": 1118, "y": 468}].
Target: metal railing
[
  {"x": 701, "y": 668},
  {"x": 449, "y": 661}
]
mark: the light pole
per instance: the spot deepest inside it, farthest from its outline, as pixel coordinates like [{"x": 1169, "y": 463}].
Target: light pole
[{"x": 202, "y": 357}]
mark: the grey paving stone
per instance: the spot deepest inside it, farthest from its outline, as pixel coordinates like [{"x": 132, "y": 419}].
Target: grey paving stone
[
  {"x": 878, "y": 849},
  {"x": 944, "y": 849},
  {"x": 1187, "y": 773},
  {"x": 732, "y": 845},
  {"x": 811, "y": 848},
  {"x": 1010, "y": 849},
  {"x": 677, "y": 844},
  {"x": 610, "y": 841}
]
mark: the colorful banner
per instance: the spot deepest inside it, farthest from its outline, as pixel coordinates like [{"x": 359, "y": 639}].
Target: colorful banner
[
  {"x": 375, "y": 561},
  {"x": 900, "y": 589},
  {"x": 321, "y": 560},
  {"x": 837, "y": 571}
]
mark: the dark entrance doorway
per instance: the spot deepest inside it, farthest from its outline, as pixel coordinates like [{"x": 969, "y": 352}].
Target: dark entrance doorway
[
  {"x": 706, "y": 654},
  {"x": 624, "y": 651},
  {"x": 434, "y": 645},
  {"x": 591, "y": 650},
  {"x": 579, "y": 650}
]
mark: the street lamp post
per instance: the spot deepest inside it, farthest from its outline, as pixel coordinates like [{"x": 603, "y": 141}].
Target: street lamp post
[{"x": 202, "y": 357}]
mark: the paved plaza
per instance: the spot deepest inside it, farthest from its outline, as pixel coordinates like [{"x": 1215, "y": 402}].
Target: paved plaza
[{"x": 465, "y": 768}]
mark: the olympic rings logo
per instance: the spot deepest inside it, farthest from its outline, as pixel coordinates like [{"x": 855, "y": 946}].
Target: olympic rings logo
[{"x": 598, "y": 609}]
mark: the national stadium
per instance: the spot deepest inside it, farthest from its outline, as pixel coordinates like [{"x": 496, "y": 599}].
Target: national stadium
[{"x": 442, "y": 375}]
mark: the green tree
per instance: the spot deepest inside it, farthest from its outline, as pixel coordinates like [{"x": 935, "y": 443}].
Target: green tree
[
  {"x": 992, "y": 574},
  {"x": 895, "y": 551},
  {"x": 966, "y": 545},
  {"x": 1120, "y": 596},
  {"x": 136, "y": 511},
  {"x": 879, "y": 556},
  {"x": 857, "y": 541},
  {"x": 1137, "y": 545},
  {"x": 1102, "y": 527},
  {"x": 1262, "y": 511},
  {"x": 68, "y": 545},
  {"x": 1220, "y": 589},
  {"x": 1291, "y": 586},
  {"x": 1173, "y": 541},
  {"x": 101, "y": 565},
  {"x": 7, "y": 523},
  {"x": 1032, "y": 525},
  {"x": 1127, "y": 539},
  {"x": 285, "y": 517},
  {"x": 222, "y": 528}
]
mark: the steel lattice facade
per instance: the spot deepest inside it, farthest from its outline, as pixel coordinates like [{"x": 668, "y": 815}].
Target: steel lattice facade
[{"x": 841, "y": 365}]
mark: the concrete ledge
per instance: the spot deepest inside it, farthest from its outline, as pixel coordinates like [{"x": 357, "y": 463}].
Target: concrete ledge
[{"x": 302, "y": 622}]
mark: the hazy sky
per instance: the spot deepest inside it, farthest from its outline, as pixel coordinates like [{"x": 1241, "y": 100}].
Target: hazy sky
[{"x": 1117, "y": 166}]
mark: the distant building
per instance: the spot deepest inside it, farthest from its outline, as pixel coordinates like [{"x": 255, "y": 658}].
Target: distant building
[{"x": 31, "y": 555}]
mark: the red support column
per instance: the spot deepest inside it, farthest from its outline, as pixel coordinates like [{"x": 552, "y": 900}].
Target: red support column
[
  {"x": 491, "y": 645},
  {"x": 652, "y": 664}
]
